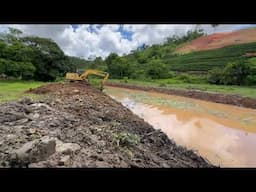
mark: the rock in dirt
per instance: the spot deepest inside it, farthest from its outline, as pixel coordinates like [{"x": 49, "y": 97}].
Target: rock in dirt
[
  {"x": 26, "y": 100},
  {"x": 76, "y": 91},
  {"x": 66, "y": 148},
  {"x": 65, "y": 160},
  {"x": 34, "y": 151}
]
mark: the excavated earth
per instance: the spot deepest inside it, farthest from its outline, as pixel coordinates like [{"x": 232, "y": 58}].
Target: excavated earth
[{"x": 76, "y": 125}]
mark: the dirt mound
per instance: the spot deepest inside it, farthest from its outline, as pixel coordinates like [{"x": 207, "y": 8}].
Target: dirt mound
[
  {"x": 79, "y": 126},
  {"x": 213, "y": 97},
  {"x": 219, "y": 40},
  {"x": 62, "y": 88}
]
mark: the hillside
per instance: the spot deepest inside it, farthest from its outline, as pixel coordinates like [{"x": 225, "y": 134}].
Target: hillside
[
  {"x": 201, "y": 53},
  {"x": 219, "y": 40},
  {"x": 206, "y": 60}
]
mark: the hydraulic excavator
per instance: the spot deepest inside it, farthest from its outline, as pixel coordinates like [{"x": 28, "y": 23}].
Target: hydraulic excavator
[{"x": 85, "y": 74}]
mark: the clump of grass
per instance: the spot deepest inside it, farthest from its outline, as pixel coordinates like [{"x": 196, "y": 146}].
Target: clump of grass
[
  {"x": 124, "y": 139},
  {"x": 162, "y": 85},
  {"x": 125, "y": 79}
]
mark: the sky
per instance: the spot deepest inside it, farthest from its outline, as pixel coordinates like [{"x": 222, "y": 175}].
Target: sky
[{"x": 90, "y": 41}]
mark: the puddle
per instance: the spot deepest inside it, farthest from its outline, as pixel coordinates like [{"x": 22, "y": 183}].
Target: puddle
[{"x": 223, "y": 134}]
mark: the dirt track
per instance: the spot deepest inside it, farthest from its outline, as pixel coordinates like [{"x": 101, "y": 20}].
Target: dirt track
[
  {"x": 79, "y": 126},
  {"x": 214, "y": 97}
]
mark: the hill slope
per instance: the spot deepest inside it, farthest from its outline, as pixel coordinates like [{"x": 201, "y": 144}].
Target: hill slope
[
  {"x": 219, "y": 40},
  {"x": 206, "y": 60}
]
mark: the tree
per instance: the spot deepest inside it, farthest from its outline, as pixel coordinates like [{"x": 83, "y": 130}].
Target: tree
[
  {"x": 235, "y": 73},
  {"x": 97, "y": 63},
  {"x": 32, "y": 57},
  {"x": 3, "y": 65},
  {"x": 157, "y": 70},
  {"x": 46, "y": 57},
  {"x": 111, "y": 57},
  {"x": 27, "y": 70},
  {"x": 119, "y": 67},
  {"x": 141, "y": 57},
  {"x": 14, "y": 31},
  {"x": 215, "y": 76}
]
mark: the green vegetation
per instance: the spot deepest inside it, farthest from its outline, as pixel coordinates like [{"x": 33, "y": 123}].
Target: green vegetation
[
  {"x": 147, "y": 61},
  {"x": 206, "y": 60},
  {"x": 125, "y": 139},
  {"x": 30, "y": 57},
  {"x": 13, "y": 89},
  {"x": 159, "y": 65},
  {"x": 235, "y": 73}
]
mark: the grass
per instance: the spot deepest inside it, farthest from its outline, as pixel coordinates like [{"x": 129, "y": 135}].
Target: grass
[
  {"x": 11, "y": 90},
  {"x": 169, "y": 83}
]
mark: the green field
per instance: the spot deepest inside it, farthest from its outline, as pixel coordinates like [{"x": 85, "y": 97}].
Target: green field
[
  {"x": 237, "y": 90},
  {"x": 14, "y": 89},
  {"x": 206, "y": 60}
]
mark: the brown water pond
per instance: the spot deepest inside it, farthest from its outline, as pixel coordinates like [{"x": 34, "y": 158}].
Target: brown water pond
[{"x": 223, "y": 134}]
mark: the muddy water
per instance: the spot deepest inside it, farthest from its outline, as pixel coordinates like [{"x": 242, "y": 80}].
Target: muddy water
[{"x": 223, "y": 134}]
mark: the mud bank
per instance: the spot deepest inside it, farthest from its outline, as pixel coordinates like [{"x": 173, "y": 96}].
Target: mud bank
[
  {"x": 213, "y": 97},
  {"x": 77, "y": 125}
]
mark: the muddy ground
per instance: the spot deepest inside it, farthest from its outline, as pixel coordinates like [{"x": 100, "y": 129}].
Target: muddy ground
[
  {"x": 76, "y": 125},
  {"x": 213, "y": 97}
]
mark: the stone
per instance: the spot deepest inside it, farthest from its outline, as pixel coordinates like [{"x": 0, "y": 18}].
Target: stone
[
  {"x": 35, "y": 151},
  {"x": 21, "y": 121},
  {"x": 76, "y": 91},
  {"x": 26, "y": 100},
  {"x": 65, "y": 160},
  {"x": 66, "y": 148},
  {"x": 36, "y": 115},
  {"x": 165, "y": 165}
]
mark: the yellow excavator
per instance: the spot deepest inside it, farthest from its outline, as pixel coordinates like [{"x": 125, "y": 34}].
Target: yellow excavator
[{"x": 84, "y": 76}]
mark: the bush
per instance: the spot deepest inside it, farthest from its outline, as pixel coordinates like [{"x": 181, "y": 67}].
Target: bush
[
  {"x": 171, "y": 74},
  {"x": 215, "y": 76},
  {"x": 125, "y": 79},
  {"x": 185, "y": 78},
  {"x": 250, "y": 80},
  {"x": 162, "y": 85},
  {"x": 157, "y": 70},
  {"x": 189, "y": 78},
  {"x": 235, "y": 73}
]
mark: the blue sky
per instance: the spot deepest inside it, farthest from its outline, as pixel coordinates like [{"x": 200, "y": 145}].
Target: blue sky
[{"x": 125, "y": 33}]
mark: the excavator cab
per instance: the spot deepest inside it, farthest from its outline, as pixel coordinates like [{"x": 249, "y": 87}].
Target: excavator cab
[{"x": 84, "y": 76}]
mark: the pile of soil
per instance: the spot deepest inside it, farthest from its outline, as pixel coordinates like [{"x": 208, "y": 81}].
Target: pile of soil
[
  {"x": 213, "y": 97},
  {"x": 77, "y": 125}
]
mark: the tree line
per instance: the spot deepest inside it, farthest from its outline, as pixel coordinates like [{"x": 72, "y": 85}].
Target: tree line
[{"x": 31, "y": 57}]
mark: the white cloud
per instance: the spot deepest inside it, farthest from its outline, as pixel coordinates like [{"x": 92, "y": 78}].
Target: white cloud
[{"x": 100, "y": 40}]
